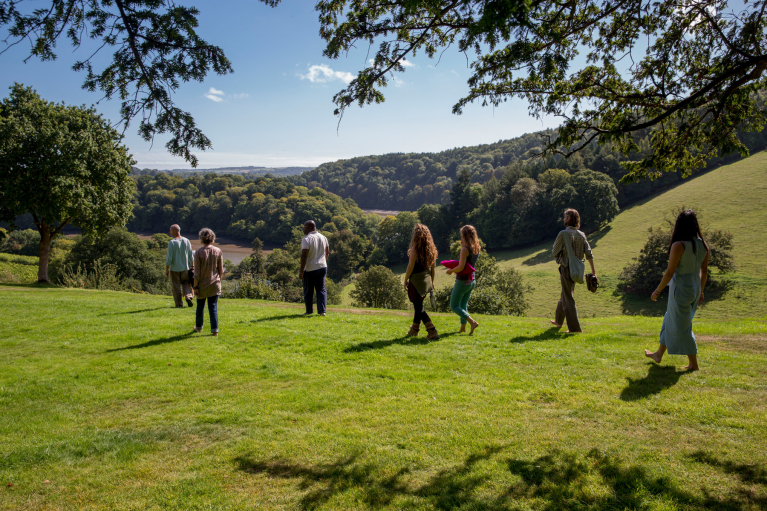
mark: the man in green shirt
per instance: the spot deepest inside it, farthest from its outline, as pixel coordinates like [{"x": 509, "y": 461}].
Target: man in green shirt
[{"x": 178, "y": 260}]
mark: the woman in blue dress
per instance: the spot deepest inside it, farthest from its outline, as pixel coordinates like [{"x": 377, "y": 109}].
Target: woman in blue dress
[{"x": 686, "y": 273}]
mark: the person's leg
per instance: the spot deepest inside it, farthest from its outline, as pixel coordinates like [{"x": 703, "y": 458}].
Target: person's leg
[
  {"x": 417, "y": 309},
  {"x": 456, "y": 298},
  {"x": 322, "y": 294},
  {"x": 465, "y": 305},
  {"x": 186, "y": 288},
  {"x": 213, "y": 312},
  {"x": 568, "y": 301},
  {"x": 175, "y": 288},
  {"x": 308, "y": 293},
  {"x": 693, "y": 365},
  {"x": 559, "y": 315},
  {"x": 657, "y": 356},
  {"x": 199, "y": 314}
]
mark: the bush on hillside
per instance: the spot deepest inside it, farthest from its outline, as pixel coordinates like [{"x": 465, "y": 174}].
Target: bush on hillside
[
  {"x": 101, "y": 276},
  {"x": 643, "y": 276},
  {"x": 24, "y": 242},
  {"x": 379, "y": 287}
]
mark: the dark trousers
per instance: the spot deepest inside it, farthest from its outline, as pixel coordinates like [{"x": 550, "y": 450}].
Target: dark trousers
[
  {"x": 566, "y": 310},
  {"x": 180, "y": 287},
  {"x": 419, "y": 314},
  {"x": 212, "y": 311},
  {"x": 315, "y": 281}
]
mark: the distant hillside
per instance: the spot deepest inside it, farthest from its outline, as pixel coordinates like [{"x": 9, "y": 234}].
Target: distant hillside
[
  {"x": 244, "y": 171},
  {"x": 402, "y": 181}
]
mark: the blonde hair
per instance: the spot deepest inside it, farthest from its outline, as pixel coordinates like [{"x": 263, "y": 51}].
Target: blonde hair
[
  {"x": 469, "y": 235},
  {"x": 423, "y": 244}
]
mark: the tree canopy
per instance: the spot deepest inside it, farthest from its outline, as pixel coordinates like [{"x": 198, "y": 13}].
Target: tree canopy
[
  {"x": 62, "y": 164},
  {"x": 687, "y": 71}
]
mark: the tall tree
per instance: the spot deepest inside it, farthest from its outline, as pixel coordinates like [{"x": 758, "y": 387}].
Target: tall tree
[
  {"x": 687, "y": 71},
  {"x": 62, "y": 164}
]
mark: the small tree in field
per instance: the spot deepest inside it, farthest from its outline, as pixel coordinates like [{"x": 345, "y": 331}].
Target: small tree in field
[
  {"x": 379, "y": 287},
  {"x": 62, "y": 164}
]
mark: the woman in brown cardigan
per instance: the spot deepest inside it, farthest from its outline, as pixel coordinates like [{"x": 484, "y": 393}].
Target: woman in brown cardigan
[{"x": 208, "y": 271}]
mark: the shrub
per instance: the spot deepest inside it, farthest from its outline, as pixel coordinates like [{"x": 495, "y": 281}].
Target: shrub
[
  {"x": 250, "y": 286},
  {"x": 379, "y": 287},
  {"x": 19, "y": 259},
  {"x": 643, "y": 276},
  {"x": 102, "y": 276}
]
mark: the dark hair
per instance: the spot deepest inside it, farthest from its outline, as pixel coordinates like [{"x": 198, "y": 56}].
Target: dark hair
[
  {"x": 572, "y": 218},
  {"x": 686, "y": 228}
]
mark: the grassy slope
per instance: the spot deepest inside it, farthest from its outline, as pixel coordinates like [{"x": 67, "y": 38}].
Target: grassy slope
[
  {"x": 111, "y": 403},
  {"x": 732, "y": 197}
]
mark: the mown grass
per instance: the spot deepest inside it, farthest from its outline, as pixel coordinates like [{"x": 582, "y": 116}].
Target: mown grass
[
  {"x": 731, "y": 197},
  {"x": 111, "y": 399}
]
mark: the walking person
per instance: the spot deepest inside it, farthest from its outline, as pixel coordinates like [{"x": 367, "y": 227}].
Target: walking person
[
  {"x": 419, "y": 278},
  {"x": 566, "y": 309},
  {"x": 179, "y": 259},
  {"x": 209, "y": 264},
  {"x": 314, "y": 268},
  {"x": 465, "y": 282},
  {"x": 687, "y": 273}
]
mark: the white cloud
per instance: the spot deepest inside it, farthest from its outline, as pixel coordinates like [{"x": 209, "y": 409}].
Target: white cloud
[
  {"x": 216, "y": 92},
  {"x": 405, "y": 63},
  {"x": 397, "y": 81},
  {"x": 217, "y": 99},
  {"x": 322, "y": 73},
  {"x": 241, "y": 96},
  {"x": 218, "y": 95}
]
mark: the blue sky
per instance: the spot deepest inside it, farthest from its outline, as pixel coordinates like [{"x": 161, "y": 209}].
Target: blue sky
[{"x": 276, "y": 108}]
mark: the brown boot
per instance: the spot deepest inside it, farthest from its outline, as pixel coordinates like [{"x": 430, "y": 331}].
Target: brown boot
[
  {"x": 413, "y": 332},
  {"x": 432, "y": 330}
]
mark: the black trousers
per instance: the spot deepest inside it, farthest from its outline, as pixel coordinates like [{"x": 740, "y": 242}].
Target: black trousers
[
  {"x": 315, "y": 281},
  {"x": 419, "y": 314}
]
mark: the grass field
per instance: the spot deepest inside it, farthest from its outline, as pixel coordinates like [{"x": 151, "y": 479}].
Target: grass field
[
  {"x": 110, "y": 402},
  {"x": 732, "y": 197}
]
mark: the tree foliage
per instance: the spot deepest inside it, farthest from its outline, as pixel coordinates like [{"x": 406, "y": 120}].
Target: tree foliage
[
  {"x": 684, "y": 73},
  {"x": 62, "y": 164}
]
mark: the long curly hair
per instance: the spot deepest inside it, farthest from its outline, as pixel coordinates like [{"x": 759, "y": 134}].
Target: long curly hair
[
  {"x": 423, "y": 244},
  {"x": 469, "y": 235}
]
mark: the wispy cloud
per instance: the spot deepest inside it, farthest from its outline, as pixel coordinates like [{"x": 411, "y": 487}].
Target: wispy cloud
[
  {"x": 405, "y": 63},
  {"x": 218, "y": 95},
  {"x": 322, "y": 73}
]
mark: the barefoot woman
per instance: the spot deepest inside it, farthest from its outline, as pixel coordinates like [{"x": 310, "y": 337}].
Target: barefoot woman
[
  {"x": 465, "y": 283},
  {"x": 687, "y": 273}
]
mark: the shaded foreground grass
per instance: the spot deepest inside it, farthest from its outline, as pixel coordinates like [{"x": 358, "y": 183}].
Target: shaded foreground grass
[{"x": 109, "y": 398}]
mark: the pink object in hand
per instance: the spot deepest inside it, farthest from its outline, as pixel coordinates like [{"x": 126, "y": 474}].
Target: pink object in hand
[{"x": 452, "y": 263}]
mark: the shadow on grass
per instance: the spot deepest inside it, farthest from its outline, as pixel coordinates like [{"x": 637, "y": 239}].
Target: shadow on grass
[
  {"x": 155, "y": 342},
  {"x": 137, "y": 311},
  {"x": 541, "y": 257},
  {"x": 751, "y": 474},
  {"x": 546, "y": 335},
  {"x": 282, "y": 316},
  {"x": 658, "y": 378},
  {"x": 634, "y": 304},
  {"x": 555, "y": 481},
  {"x": 403, "y": 340}
]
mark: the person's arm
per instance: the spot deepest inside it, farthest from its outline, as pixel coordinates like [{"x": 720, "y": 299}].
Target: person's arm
[
  {"x": 304, "y": 257},
  {"x": 433, "y": 275},
  {"x": 220, "y": 265},
  {"x": 196, "y": 283},
  {"x": 589, "y": 255},
  {"x": 327, "y": 251},
  {"x": 559, "y": 246},
  {"x": 410, "y": 264},
  {"x": 461, "y": 261},
  {"x": 677, "y": 249},
  {"x": 704, "y": 273},
  {"x": 168, "y": 258},
  {"x": 190, "y": 254}
]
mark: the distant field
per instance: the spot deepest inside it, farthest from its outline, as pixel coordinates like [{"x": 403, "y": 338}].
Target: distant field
[
  {"x": 732, "y": 197},
  {"x": 110, "y": 402}
]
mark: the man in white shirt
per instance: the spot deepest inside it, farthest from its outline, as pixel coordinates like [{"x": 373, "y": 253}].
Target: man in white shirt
[{"x": 314, "y": 267}]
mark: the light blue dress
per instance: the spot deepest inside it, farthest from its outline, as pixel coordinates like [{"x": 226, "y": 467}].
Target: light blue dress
[{"x": 684, "y": 291}]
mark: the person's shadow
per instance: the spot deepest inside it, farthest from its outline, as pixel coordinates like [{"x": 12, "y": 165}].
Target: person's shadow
[{"x": 658, "y": 379}]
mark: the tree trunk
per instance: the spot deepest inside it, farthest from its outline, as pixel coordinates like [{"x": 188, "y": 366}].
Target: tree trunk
[{"x": 44, "y": 252}]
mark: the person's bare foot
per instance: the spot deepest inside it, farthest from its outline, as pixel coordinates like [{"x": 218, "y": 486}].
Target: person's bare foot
[
  {"x": 574, "y": 332},
  {"x": 474, "y": 326},
  {"x": 463, "y": 328},
  {"x": 653, "y": 355},
  {"x": 691, "y": 368},
  {"x": 555, "y": 323}
]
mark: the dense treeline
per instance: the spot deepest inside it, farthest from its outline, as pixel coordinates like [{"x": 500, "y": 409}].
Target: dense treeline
[
  {"x": 267, "y": 208},
  {"x": 407, "y": 181}
]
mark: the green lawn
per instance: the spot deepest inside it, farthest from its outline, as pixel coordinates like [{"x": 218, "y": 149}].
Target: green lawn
[
  {"x": 732, "y": 197},
  {"x": 110, "y": 402}
]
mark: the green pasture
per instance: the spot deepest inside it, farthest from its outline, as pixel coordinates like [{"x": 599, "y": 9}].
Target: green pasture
[
  {"x": 731, "y": 197},
  {"x": 109, "y": 401}
]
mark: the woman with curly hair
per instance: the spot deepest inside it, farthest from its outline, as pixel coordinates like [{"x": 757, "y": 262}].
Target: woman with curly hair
[
  {"x": 464, "y": 282},
  {"x": 208, "y": 272},
  {"x": 419, "y": 278}
]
